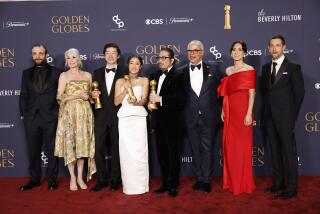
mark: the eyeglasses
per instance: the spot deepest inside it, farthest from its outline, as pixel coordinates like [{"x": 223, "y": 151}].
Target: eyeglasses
[
  {"x": 194, "y": 51},
  {"x": 162, "y": 58}
]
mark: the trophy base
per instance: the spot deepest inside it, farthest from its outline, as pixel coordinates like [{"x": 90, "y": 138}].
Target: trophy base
[
  {"x": 98, "y": 106},
  {"x": 152, "y": 106}
]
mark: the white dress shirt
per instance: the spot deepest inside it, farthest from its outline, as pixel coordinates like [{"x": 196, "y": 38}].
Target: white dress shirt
[
  {"x": 196, "y": 78},
  {"x": 109, "y": 79},
  {"x": 279, "y": 62}
]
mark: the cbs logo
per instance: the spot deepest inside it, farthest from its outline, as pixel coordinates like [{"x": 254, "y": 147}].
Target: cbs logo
[
  {"x": 254, "y": 53},
  {"x": 154, "y": 21}
]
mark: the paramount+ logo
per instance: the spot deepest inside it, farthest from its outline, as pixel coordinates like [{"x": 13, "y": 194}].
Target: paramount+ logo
[{"x": 70, "y": 24}]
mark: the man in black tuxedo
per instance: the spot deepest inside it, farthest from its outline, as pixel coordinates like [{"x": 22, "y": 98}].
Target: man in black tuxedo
[
  {"x": 166, "y": 120},
  {"x": 283, "y": 92},
  {"x": 201, "y": 113},
  {"x": 106, "y": 120},
  {"x": 39, "y": 112}
]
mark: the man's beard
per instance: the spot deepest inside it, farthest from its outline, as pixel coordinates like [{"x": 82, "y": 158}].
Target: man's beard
[{"x": 41, "y": 63}]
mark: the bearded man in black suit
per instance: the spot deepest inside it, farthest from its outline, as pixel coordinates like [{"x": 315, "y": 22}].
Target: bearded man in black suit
[{"x": 39, "y": 112}]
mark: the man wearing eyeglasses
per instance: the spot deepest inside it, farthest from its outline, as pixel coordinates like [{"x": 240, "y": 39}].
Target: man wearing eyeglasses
[
  {"x": 201, "y": 114},
  {"x": 165, "y": 120}
]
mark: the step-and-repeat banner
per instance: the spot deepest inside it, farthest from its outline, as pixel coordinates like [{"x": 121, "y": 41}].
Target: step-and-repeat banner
[{"x": 143, "y": 27}]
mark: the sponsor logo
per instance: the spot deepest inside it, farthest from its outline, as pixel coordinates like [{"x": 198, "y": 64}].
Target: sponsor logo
[
  {"x": 9, "y": 92},
  {"x": 70, "y": 24},
  {"x": 119, "y": 23},
  {"x": 216, "y": 54},
  {"x": 258, "y": 156},
  {"x": 254, "y": 53},
  {"x": 7, "y": 157},
  {"x": 317, "y": 85},
  {"x": 6, "y": 125},
  {"x": 263, "y": 17},
  {"x": 11, "y": 24},
  {"x": 44, "y": 160},
  {"x": 186, "y": 159},
  {"x": 168, "y": 21}
]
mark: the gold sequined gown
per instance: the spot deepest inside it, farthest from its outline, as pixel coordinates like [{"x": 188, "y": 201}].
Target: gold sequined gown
[{"x": 75, "y": 133}]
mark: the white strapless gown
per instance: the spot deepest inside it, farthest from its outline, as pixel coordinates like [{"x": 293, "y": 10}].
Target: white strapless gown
[{"x": 133, "y": 146}]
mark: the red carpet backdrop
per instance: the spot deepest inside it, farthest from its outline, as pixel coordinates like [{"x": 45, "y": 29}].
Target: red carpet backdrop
[{"x": 143, "y": 27}]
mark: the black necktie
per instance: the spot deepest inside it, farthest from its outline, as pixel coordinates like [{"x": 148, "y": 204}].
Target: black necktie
[
  {"x": 193, "y": 66},
  {"x": 273, "y": 73},
  {"x": 110, "y": 69},
  {"x": 165, "y": 72}
]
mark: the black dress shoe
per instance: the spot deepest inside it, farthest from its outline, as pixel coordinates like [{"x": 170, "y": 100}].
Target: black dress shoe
[
  {"x": 173, "y": 193},
  {"x": 286, "y": 195},
  {"x": 274, "y": 189},
  {"x": 206, "y": 187},
  {"x": 99, "y": 186},
  {"x": 30, "y": 185},
  {"x": 197, "y": 186},
  {"x": 52, "y": 186},
  {"x": 162, "y": 189}
]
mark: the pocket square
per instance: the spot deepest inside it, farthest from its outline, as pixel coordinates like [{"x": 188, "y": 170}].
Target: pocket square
[{"x": 285, "y": 73}]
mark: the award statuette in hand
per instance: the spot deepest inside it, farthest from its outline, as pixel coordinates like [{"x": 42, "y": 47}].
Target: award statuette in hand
[
  {"x": 98, "y": 103},
  {"x": 152, "y": 105},
  {"x": 130, "y": 90}
]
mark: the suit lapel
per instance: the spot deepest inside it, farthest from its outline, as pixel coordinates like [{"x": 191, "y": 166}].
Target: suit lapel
[
  {"x": 205, "y": 81},
  {"x": 281, "y": 70},
  {"x": 116, "y": 77},
  {"x": 102, "y": 79},
  {"x": 167, "y": 80}
]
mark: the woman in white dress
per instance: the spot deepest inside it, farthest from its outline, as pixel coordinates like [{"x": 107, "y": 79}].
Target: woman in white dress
[{"x": 133, "y": 139}]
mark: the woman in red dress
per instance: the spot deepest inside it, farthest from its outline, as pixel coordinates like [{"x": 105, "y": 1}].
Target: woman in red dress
[{"x": 238, "y": 90}]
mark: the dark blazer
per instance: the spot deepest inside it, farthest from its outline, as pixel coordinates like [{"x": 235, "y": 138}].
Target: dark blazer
[
  {"x": 44, "y": 103},
  {"x": 171, "y": 93},
  {"x": 108, "y": 113},
  {"x": 283, "y": 99},
  {"x": 207, "y": 104}
]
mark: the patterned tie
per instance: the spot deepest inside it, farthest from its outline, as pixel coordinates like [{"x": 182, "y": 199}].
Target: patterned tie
[{"x": 273, "y": 73}]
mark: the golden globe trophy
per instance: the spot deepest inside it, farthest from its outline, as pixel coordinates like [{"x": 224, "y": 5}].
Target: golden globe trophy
[
  {"x": 130, "y": 90},
  {"x": 152, "y": 105},
  {"x": 227, "y": 24},
  {"x": 98, "y": 103}
]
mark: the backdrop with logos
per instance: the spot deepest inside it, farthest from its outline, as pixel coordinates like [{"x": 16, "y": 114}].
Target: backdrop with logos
[{"x": 143, "y": 28}]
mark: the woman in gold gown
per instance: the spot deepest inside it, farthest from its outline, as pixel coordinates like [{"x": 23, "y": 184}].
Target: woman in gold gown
[{"x": 75, "y": 134}]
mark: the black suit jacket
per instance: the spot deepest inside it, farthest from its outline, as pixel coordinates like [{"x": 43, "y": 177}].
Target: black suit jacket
[
  {"x": 44, "y": 103},
  {"x": 108, "y": 113},
  {"x": 283, "y": 99},
  {"x": 172, "y": 97},
  {"x": 207, "y": 104}
]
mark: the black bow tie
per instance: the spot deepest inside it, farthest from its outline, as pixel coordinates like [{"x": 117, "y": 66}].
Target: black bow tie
[
  {"x": 110, "y": 69},
  {"x": 165, "y": 72},
  {"x": 193, "y": 66}
]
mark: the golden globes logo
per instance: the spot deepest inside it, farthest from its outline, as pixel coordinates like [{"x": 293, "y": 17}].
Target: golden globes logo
[
  {"x": 227, "y": 25},
  {"x": 312, "y": 121},
  {"x": 150, "y": 52},
  {"x": 7, "y": 158},
  {"x": 6, "y": 57},
  {"x": 257, "y": 157},
  {"x": 70, "y": 24}
]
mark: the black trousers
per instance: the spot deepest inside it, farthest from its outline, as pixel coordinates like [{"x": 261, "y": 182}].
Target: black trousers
[
  {"x": 107, "y": 135},
  {"x": 168, "y": 141},
  {"x": 38, "y": 134},
  {"x": 201, "y": 140},
  {"x": 283, "y": 153}
]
